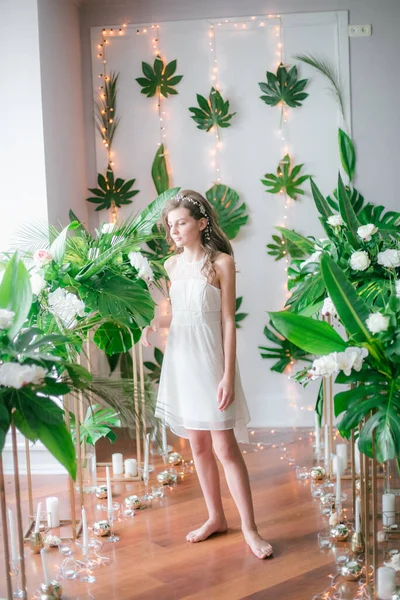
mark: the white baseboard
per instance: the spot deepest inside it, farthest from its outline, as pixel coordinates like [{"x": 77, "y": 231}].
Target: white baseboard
[{"x": 42, "y": 462}]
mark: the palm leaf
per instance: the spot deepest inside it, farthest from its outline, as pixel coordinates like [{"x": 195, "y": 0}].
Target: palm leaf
[
  {"x": 285, "y": 180},
  {"x": 105, "y": 110},
  {"x": 159, "y": 78},
  {"x": 283, "y": 87},
  {"x": 213, "y": 112}
]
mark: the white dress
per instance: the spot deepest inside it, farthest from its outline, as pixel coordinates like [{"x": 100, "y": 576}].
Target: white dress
[{"x": 193, "y": 364}]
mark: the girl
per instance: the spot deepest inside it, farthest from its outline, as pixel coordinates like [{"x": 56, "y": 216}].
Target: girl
[{"x": 200, "y": 394}]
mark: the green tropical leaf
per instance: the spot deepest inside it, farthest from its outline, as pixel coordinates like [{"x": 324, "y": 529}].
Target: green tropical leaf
[
  {"x": 285, "y": 180},
  {"x": 155, "y": 368},
  {"x": 302, "y": 243},
  {"x": 159, "y": 171},
  {"x": 159, "y": 78},
  {"x": 315, "y": 337},
  {"x": 326, "y": 69},
  {"x": 213, "y": 112},
  {"x": 142, "y": 224},
  {"x": 231, "y": 216},
  {"x": 347, "y": 154},
  {"x": 281, "y": 247},
  {"x": 58, "y": 442},
  {"x": 388, "y": 222},
  {"x": 284, "y": 352},
  {"x": 348, "y": 214},
  {"x": 113, "y": 338},
  {"x": 321, "y": 204},
  {"x": 106, "y": 110},
  {"x": 283, "y": 87},
  {"x": 16, "y": 294},
  {"x": 112, "y": 192},
  {"x": 239, "y": 317},
  {"x": 5, "y": 421}
]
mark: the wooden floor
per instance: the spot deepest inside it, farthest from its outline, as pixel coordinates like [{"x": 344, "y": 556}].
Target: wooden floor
[{"x": 153, "y": 561}]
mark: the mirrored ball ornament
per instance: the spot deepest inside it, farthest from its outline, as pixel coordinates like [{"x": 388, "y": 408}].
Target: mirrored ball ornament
[
  {"x": 133, "y": 502},
  {"x": 101, "y": 492},
  {"x": 101, "y": 528},
  {"x": 340, "y": 532},
  {"x": 174, "y": 459},
  {"x": 317, "y": 473},
  {"x": 165, "y": 478},
  {"x": 57, "y": 588},
  {"x": 351, "y": 571}
]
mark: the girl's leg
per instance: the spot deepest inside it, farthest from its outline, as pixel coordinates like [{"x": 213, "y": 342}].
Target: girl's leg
[
  {"x": 228, "y": 452},
  {"x": 207, "y": 472}
]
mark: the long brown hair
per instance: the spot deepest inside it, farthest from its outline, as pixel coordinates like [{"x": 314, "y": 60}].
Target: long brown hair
[{"x": 213, "y": 239}]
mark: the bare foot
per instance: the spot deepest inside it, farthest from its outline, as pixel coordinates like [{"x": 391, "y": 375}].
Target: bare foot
[
  {"x": 257, "y": 544},
  {"x": 209, "y": 527}
]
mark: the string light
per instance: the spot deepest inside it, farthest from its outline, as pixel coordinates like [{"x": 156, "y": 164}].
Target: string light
[{"x": 215, "y": 152}]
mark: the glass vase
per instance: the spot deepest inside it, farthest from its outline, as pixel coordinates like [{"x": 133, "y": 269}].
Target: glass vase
[{"x": 88, "y": 468}]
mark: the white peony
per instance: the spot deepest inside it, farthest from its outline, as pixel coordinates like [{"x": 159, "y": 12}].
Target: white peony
[
  {"x": 359, "y": 261},
  {"x": 324, "y": 366},
  {"x": 397, "y": 287},
  {"x": 328, "y": 308},
  {"x": 366, "y": 231},
  {"x": 314, "y": 258},
  {"x": 6, "y": 318},
  {"x": 335, "y": 221},
  {"x": 140, "y": 262},
  {"x": 16, "y": 376},
  {"x": 389, "y": 258},
  {"x": 377, "y": 322},
  {"x": 107, "y": 227},
  {"x": 42, "y": 257},
  {"x": 37, "y": 283},
  {"x": 66, "y": 306}
]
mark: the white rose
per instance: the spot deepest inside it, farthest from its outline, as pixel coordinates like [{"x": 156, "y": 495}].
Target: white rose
[
  {"x": 66, "y": 306},
  {"x": 389, "y": 258},
  {"x": 6, "y": 318},
  {"x": 140, "y": 262},
  {"x": 359, "y": 261},
  {"x": 16, "y": 376},
  {"x": 328, "y": 308},
  {"x": 37, "y": 283},
  {"x": 314, "y": 258},
  {"x": 335, "y": 221},
  {"x": 42, "y": 257},
  {"x": 366, "y": 231},
  {"x": 377, "y": 322},
  {"x": 397, "y": 287},
  {"x": 107, "y": 227},
  {"x": 324, "y": 366}
]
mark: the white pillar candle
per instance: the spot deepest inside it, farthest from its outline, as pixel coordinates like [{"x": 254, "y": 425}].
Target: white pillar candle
[
  {"x": 317, "y": 434},
  {"x": 53, "y": 512},
  {"x": 164, "y": 439},
  {"x": 117, "y": 464},
  {"x": 336, "y": 468},
  {"x": 341, "y": 451},
  {"x": 13, "y": 536},
  {"x": 130, "y": 467},
  {"x": 357, "y": 518},
  {"x": 109, "y": 493},
  {"x": 37, "y": 522},
  {"x": 326, "y": 442},
  {"x": 45, "y": 567},
  {"x": 356, "y": 458},
  {"x": 85, "y": 536},
  {"x": 146, "y": 455},
  {"x": 388, "y": 509},
  {"x": 386, "y": 583}
]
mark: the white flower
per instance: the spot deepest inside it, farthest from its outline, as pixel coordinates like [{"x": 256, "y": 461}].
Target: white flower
[
  {"x": 328, "y": 308},
  {"x": 6, "y": 318},
  {"x": 389, "y": 258},
  {"x": 359, "y": 261},
  {"x": 397, "y": 287},
  {"x": 313, "y": 258},
  {"x": 93, "y": 253},
  {"x": 324, "y": 366},
  {"x": 66, "y": 306},
  {"x": 37, "y": 283},
  {"x": 16, "y": 376},
  {"x": 366, "y": 231},
  {"x": 335, "y": 221},
  {"x": 351, "y": 358},
  {"x": 107, "y": 227},
  {"x": 42, "y": 257},
  {"x": 140, "y": 262},
  {"x": 377, "y": 322}
]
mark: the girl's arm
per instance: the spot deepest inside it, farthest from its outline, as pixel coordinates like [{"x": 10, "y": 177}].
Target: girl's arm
[
  {"x": 160, "y": 322},
  {"x": 225, "y": 267}
]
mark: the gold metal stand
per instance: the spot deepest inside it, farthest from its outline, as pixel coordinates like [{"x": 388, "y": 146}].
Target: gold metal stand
[{"x": 5, "y": 530}]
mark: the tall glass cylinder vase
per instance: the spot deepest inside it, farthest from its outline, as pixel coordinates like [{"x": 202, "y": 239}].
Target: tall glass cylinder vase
[
  {"x": 392, "y": 477},
  {"x": 88, "y": 467}
]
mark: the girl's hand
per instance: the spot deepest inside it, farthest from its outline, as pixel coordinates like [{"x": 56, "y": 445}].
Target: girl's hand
[
  {"x": 225, "y": 393},
  {"x": 145, "y": 333}
]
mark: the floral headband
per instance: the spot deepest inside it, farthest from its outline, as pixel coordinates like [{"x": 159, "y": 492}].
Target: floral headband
[{"x": 208, "y": 229}]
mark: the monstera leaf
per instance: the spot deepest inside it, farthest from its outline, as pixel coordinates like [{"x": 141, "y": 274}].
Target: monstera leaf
[
  {"x": 283, "y": 87},
  {"x": 284, "y": 352},
  {"x": 155, "y": 367},
  {"x": 231, "y": 217},
  {"x": 239, "y": 316},
  {"x": 159, "y": 78},
  {"x": 213, "y": 112},
  {"x": 285, "y": 180},
  {"x": 112, "y": 192}
]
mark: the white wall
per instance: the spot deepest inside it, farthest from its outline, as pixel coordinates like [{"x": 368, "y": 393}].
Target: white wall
[{"x": 22, "y": 162}]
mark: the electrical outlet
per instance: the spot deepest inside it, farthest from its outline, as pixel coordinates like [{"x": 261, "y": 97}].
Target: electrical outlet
[{"x": 360, "y": 30}]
